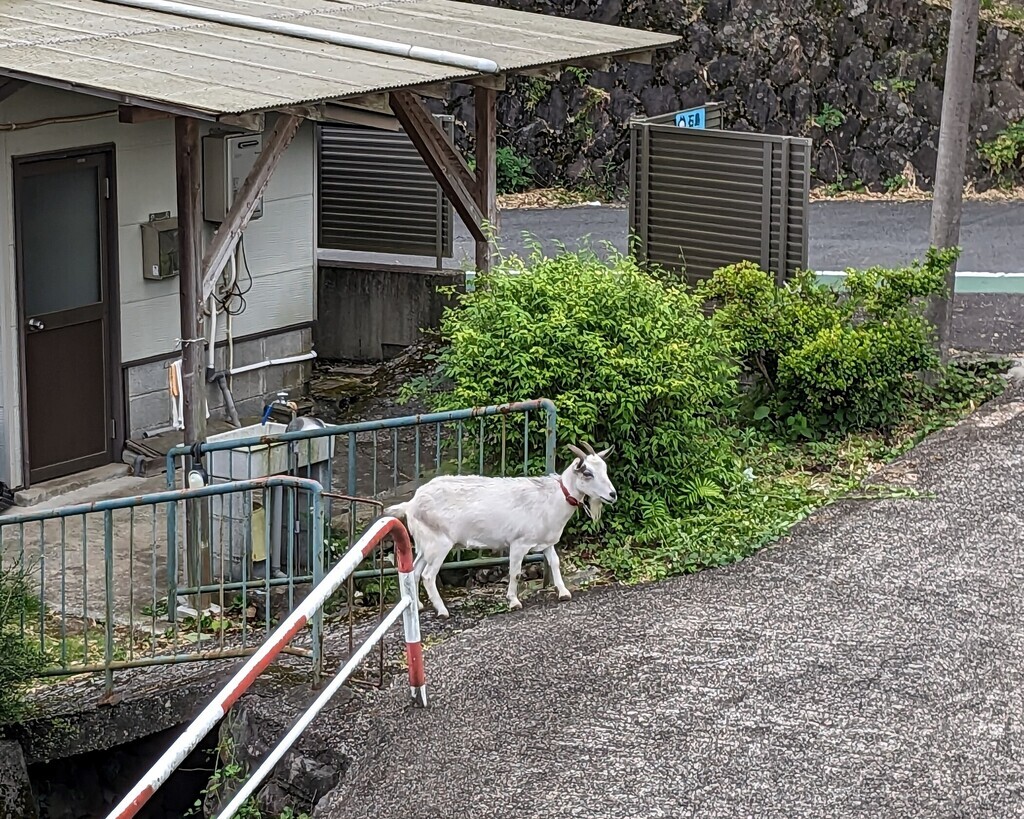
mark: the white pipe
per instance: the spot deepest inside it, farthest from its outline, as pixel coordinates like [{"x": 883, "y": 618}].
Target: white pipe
[
  {"x": 211, "y": 356},
  {"x": 429, "y": 55},
  {"x": 270, "y": 362},
  {"x": 152, "y": 433}
]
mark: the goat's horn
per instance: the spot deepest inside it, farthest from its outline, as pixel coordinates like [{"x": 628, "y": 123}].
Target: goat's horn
[
  {"x": 579, "y": 453},
  {"x": 589, "y": 448}
]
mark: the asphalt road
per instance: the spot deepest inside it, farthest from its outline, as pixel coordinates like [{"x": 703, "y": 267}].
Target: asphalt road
[
  {"x": 869, "y": 665},
  {"x": 842, "y": 234}
]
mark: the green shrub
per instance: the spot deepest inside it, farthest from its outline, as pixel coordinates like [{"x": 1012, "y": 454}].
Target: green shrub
[
  {"x": 628, "y": 359},
  {"x": 825, "y": 359},
  {"x": 1004, "y": 155},
  {"x": 20, "y": 659},
  {"x": 632, "y": 359},
  {"x": 514, "y": 172}
]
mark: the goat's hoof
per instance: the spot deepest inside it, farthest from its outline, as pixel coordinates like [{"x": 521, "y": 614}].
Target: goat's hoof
[
  {"x": 443, "y": 614},
  {"x": 566, "y": 595},
  {"x": 514, "y": 605}
]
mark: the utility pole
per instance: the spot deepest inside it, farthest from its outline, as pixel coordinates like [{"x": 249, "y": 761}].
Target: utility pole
[
  {"x": 188, "y": 165},
  {"x": 954, "y": 131}
]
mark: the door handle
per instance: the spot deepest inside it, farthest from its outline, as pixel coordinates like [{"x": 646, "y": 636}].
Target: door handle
[{"x": 36, "y": 324}]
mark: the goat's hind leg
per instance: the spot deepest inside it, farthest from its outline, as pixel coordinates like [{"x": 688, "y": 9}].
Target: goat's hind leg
[
  {"x": 434, "y": 552},
  {"x": 515, "y": 566}
]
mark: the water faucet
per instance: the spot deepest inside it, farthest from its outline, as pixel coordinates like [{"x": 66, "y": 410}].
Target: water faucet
[{"x": 280, "y": 401}]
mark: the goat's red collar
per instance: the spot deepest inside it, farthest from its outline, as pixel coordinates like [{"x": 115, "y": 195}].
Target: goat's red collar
[{"x": 568, "y": 497}]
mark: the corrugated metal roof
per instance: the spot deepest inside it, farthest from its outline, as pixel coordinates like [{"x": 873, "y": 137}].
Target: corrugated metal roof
[{"x": 223, "y": 69}]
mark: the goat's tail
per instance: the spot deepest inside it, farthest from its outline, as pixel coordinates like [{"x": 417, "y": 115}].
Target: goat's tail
[{"x": 397, "y": 511}]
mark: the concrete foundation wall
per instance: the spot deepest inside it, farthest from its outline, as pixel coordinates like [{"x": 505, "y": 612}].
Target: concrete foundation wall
[
  {"x": 368, "y": 313},
  {"x": 149, "y": 403}
]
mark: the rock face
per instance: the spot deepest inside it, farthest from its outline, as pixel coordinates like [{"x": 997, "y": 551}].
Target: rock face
[
  {"x": 16, "y": 799},
  {"x": 863, "y": 78},
  {"x": 257, "y": 722}
]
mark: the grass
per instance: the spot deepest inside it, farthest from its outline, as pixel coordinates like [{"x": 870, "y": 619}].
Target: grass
[{"x": 787, "y": 481}]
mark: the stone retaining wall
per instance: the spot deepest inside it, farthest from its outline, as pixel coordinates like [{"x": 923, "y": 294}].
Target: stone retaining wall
[{"x": 863, "y": 78}]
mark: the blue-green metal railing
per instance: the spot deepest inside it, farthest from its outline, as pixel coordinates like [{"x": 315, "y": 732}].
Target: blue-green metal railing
[
  {"x": 132, "y": 631},
  {"x": 478, "y": 440}
]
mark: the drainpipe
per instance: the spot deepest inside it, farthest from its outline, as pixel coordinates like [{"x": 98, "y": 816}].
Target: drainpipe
[
  {"x": 219, "y": 378},
  {"x": 322, "y": 35}
]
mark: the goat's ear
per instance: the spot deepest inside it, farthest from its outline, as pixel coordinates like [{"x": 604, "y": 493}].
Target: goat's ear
[{"x": 604, "y": 453}]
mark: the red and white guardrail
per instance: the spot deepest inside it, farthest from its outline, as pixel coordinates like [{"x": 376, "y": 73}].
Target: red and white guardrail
[{"x": 407, "y": 608}]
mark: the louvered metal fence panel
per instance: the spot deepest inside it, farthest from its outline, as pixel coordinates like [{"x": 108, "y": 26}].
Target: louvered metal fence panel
[
  {"x": 376, "y": 195},
  {"x": 702, "y": 199}
]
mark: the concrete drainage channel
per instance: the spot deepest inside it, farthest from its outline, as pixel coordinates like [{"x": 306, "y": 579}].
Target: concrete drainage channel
[
  {"x": 80, "y": 760},
  {"x": 89, "y": 785}
]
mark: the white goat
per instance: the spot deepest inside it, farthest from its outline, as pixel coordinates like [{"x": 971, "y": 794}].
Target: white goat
[{"x": 521, "y": 515}]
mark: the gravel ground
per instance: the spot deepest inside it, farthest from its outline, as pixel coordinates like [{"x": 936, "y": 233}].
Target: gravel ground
[{"x": 868, "y": 665}]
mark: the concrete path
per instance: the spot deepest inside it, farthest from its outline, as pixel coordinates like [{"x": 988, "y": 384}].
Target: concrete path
[{"x": 870, "y": 665}]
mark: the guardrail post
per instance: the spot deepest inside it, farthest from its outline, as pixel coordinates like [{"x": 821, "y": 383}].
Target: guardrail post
[
  {"x": 317, "y": 625},
  {"x": 108, "y": 577},
  {"x": 411, "y": 616}
]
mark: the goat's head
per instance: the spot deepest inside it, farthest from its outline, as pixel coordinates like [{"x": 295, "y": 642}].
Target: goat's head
[{"x": 590, "y": 476}]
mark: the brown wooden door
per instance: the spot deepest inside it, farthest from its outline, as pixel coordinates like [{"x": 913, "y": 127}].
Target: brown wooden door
[{"x": 62, "y": 217}]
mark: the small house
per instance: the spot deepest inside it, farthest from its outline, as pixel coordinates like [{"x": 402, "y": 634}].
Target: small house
[{"x": 158, "y": 192}]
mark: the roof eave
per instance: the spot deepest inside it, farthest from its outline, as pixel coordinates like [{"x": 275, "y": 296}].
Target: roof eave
[{"x": 248, "y": 119}]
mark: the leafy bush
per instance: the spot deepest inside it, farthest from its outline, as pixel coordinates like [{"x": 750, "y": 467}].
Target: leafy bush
[
  {"x": 633, "y": 359},
  {"x": 20, "y": 660},
  {"x": 513, "y": 172},
  {"x": 628, "y": 359},
  {"x": 1004, "y": 155},
  {"x": 826, "y": 359}
]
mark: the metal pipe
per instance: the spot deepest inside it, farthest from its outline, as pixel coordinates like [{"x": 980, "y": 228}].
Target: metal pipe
[
  {"x": 221, "y": 379},
  {"x": 544, "y": 404},
  {"x": 322, "y": 35},
  {"x": 267, "y": 765},
  {"x": 243, "y": 679},
  {"x": 39, "y": 123}
]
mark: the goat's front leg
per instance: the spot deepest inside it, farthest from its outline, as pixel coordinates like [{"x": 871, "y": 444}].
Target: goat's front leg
[
  {"x": 556, "y": 573},
  {"x": 515, "y": 567}
]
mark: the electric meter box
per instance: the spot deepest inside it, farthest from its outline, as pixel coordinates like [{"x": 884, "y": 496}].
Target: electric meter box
[
  {"x": 160, "y": 249},
  {"x": 227, "y": 160}
]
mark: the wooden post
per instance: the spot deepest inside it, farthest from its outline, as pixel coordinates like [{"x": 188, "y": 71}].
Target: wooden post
[
  {"x": 954, "y": 130},
  {"x": 446, "y": 164},
  {"x": 486, "y": 189},
  {"x": 193, "y": 382}
]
